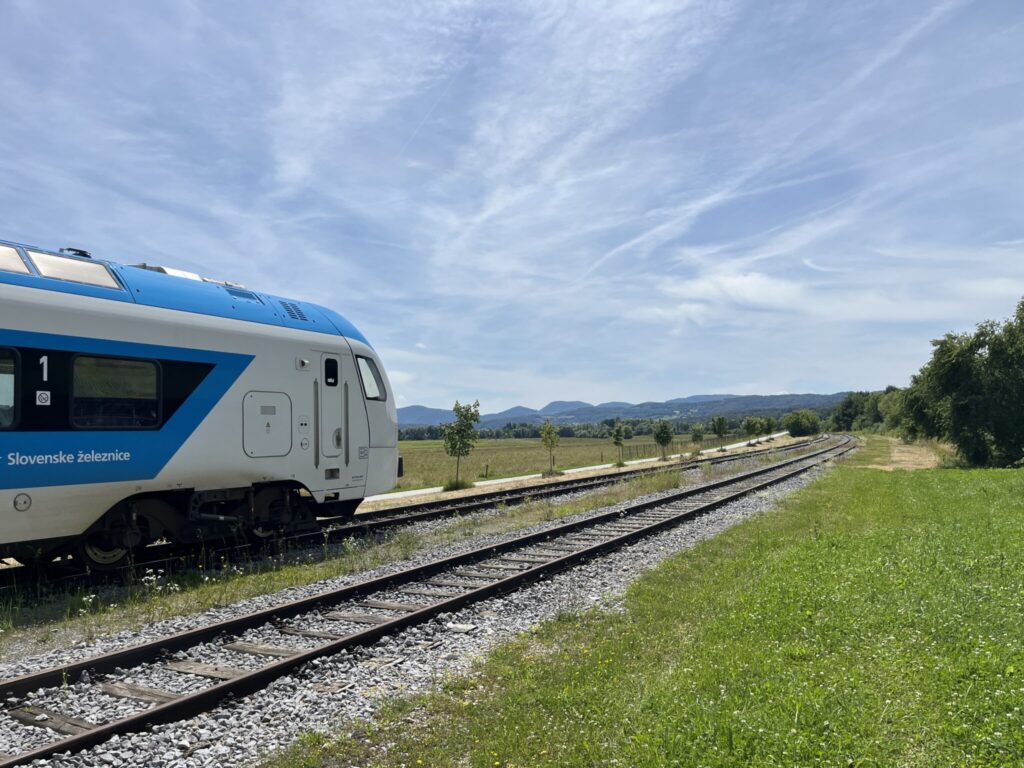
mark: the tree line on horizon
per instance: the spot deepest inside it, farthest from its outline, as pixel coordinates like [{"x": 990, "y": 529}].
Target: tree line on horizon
[{"x": 645, "y": 427}]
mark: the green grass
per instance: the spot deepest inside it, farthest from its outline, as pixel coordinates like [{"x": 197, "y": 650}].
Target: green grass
[
  {"x": 875, "y": 450},
  {"x": 426, "y": 464},
  {"x": 874, "y": 619}
]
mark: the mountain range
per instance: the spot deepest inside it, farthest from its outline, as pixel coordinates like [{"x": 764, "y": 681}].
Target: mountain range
[{"x": 693, "y": 408}]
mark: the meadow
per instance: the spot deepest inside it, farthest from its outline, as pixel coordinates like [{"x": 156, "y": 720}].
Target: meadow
[
  {"x": 427, "y": 465},
  {"x": 872, "y": 619}
]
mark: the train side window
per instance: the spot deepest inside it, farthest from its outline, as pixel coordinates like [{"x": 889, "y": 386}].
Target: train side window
[
  {"x": 10, "y": 261},
  {"x": 373, "y": 384},
  {"x": 8, "y": 388},
  {"x": 331, "y": 372},
  {"x": 115, "y": 393}
]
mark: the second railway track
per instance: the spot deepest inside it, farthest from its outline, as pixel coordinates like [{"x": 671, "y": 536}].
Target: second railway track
[
  {"x": 168, "y": 557},
  {"x": 352, "y": 616}
]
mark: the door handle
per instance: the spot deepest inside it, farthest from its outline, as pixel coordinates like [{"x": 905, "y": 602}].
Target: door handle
[{"x": 337, "y": 438}]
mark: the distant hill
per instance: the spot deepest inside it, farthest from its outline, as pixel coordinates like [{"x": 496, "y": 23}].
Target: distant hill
[
  {"x": 701, "y": 399},
  {"x": 693, "y": 408},
  {"x": 516, "y": 412},
  {"x": 564, "y": 406},
  {"x": 421, "y": 416}
]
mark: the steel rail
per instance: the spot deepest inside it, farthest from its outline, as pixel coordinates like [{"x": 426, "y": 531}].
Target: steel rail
[
  {"x": 364, "y": 523},
  {"x": 428, "y": 509},
  {"x": 249, "y": 682}
]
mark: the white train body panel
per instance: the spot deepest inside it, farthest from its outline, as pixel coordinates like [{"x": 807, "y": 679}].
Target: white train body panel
[{"x": 272, "y": 409}]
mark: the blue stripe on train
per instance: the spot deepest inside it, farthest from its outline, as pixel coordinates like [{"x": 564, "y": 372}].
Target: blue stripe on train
[{"x": 80, "y": 456}]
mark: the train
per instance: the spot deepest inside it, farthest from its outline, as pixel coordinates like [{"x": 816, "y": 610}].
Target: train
[{"x": 143, "y": 403}]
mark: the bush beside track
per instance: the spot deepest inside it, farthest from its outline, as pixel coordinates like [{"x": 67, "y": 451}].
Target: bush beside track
[{"x": 874, "y": 619}]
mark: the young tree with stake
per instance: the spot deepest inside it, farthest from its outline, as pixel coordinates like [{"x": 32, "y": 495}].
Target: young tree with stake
[
  {"x": 618, "y": 437},
  {"x": 460, "y": 435},
  {"x": 549, "y": 437},
  {"x": 663, "y": 437}
]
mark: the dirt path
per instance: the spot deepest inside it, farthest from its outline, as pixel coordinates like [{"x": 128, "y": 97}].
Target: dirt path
[{"x": 907, "y": 456}]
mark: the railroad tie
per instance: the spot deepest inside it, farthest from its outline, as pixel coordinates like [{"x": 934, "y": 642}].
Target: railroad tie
[
  {"x": 552, "y": 554},
  {"x": 258, "y": 649},
  {"x": 531, "y": 560},
  {"x": 424, "y": 592},
  {"x": 389, "y": 606},
  {"x": 500, "y": 566},
  {"x": 470, "y": 574},
  {"x": 309, "y": 633},
  {"x": 453, "y": 583},
  {"x": 358, "y": 618},
  {"x": 44, "y": 718},
  {"x": 121, "y": 690},
  {"x": 214, "y": 671}
]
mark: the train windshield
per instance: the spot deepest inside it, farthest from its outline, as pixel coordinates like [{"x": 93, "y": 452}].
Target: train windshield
[
  {"x": 8, "y": 380},
  {"x": 373, "y": 384}
]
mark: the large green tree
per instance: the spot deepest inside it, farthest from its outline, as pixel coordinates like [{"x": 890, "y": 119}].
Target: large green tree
[
  {"x": 460, "y": 435},
  {"x": 971, "y": 393}
]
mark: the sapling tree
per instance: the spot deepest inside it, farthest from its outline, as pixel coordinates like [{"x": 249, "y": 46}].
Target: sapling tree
[
  {"x": 720, "y": 426},
  {"x": 618, "y": 437},
  {"x": 752, "y": 426},
  {"x": 663, "y": 437},
  {"x": 549, "y": 437},
  {"x": 460, "y": 435}
]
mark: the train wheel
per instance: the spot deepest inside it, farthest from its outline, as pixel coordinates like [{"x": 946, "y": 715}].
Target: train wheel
[
  {"x": 100, "y": 555},
  {"x": 263, "y": 535}
]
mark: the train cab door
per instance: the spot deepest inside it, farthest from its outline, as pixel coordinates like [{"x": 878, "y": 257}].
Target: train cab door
[
  {"x": 342, "y": 424},
  {"x": 332, "y": 427}
]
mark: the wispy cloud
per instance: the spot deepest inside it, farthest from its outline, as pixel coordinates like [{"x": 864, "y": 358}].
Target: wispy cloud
[{"x": 522, "y": 202}]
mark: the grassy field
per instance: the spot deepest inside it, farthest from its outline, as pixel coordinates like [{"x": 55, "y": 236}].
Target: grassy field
[
  {"x": 426, "y": 464},
  {"x": 874, "y": 619}
]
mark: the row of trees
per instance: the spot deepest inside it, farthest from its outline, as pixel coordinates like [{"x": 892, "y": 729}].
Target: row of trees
[
  {"x": 460, "y": 435},
  {"x": 970, "y": 394},
  {"x": 603, "y": 430}
]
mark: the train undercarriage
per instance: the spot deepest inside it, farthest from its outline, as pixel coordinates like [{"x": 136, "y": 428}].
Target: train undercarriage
[{"x": 258, "y": 514}]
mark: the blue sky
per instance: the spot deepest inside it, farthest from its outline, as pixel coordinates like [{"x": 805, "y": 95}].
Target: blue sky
[{"x": 521, "y": 202}]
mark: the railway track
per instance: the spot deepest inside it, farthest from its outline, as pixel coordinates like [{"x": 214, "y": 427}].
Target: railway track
[
  {"x": 352, "y": 616},
  {"x": 169, "y": 558}
]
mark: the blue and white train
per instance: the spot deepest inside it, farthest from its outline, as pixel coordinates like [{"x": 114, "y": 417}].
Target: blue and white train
[{"x": 142, "y": 403}]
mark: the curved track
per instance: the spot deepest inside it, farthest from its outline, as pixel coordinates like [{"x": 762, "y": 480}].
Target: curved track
[{"x": 358, "y": 614}]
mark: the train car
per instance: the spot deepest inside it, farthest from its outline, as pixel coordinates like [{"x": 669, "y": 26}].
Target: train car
[{"x": 142, "y": 403}]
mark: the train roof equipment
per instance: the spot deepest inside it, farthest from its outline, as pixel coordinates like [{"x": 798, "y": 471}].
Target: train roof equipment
[{"x": 76, "y": 271}]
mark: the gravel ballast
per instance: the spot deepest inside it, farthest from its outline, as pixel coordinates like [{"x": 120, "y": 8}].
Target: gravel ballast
[{"x": 350, "y": 685}]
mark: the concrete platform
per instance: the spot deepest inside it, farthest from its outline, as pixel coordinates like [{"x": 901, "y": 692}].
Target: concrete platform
[{"x": 597, "y": 467}]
